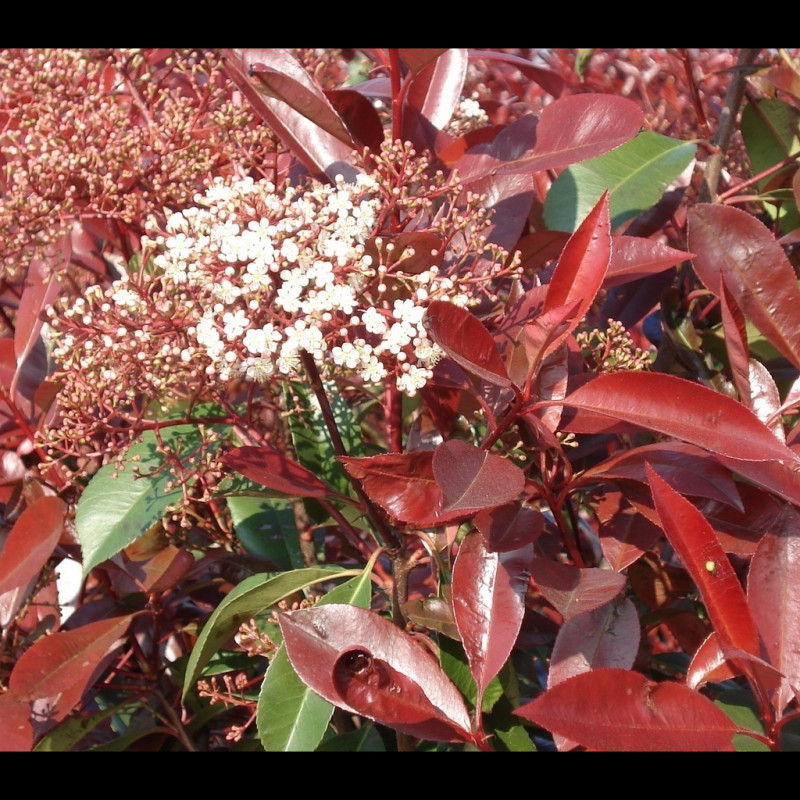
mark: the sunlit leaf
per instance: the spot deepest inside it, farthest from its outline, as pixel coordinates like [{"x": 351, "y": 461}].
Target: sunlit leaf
[
  {"x": 364, "y": 664},
  {"x": 735, "y": 247},
  {"x": 620, "y": 710},
  {"x": 63, "y": 664},
  {"x": 465, "y": 339},
  {"x": 681, "y": 409},
  {"x": 635, "y": 175},
  {"x": 489, "y": 603},
  {"x": 773, "y": 591},
  {"x": 249, "y": 599},
  {"x": 31, "y": 541},
  {"x": 699, "y": 549}
]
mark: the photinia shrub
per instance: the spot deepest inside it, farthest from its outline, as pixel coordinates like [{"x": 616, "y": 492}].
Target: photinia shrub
[{"x": 403, "y": 399}]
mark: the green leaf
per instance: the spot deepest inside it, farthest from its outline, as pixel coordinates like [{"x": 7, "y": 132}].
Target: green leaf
[
  {"x": 365, "y": 739},
  {"x": 292, "y": 717},
  {"x": 267, "y": 528},
  {"x": 310, "y": 436},
  {"x": 771, "y": 132},
  {"x": 69, "y": 732},
  {"x": 117, "y": 508},
  {"x": 636, "y": 175},
  {"x": 250, "y": 598}
]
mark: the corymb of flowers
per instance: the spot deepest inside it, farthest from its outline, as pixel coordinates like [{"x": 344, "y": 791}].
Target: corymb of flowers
[{"x": 239, "y": 285}]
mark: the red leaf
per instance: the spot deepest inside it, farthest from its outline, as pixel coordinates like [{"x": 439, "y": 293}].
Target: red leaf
[
  {"x": 365, "y": 665},
  {"x": 625, "y": 534},
  {"x": 702, "y": 554},
  {"x": 417, "y": 58},
  {"x": 574, "y": 591},
  {"x": 435, "y": 88},
  {"x": 737, "y": 248},
  {"x": 620, "y": 710},
  {"x": 359, "y": 115},
  {"x": 274, "y": 470},
  {"x": 681, "y": 409},
  {"x": 31, "y": 542},
  {"x": 64, "y": 664},
  {"x": 510, "y": 526},
  {"x": 16, "y": 730},
  {"x": 582, "y": 266},
  {"x": 773, "y": 591},
  {"x": 472, "y": 479},
  {"x": 686, "y": 468},
  {"x": 608, "y": 636},
  {"x": 634, "y": 257},
  {"x": 464, "y": 338},
  {"x": 550, "y": 81},
  {"x": 578, "y": 127},
  {"x": 489, "y": 604},
  {"x": 734, "y": 326},
  {"x": 305, "y": 130}
]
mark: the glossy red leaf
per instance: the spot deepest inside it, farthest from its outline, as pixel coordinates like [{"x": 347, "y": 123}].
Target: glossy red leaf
[
  {"x": 582, "y": 267},
  {"x": 63, "y": 665},
  {"x": 634, "y": 257},
  {"x": 435, "y": 88},
  {"x": 577, "y": 127},
  {"x": 698, "y": 547},
  {"x": 773, "y": 591},
  {"x": 307, "y": 130},
  {"x": 489, "y": 603},
  {"x": 274, "y": 470},
  {"x": 573, "y": 590},
  {"x": 733, "y": 246},
  {"x": 765, "y": 398},
  {"x": 465, "y": 339},
  {"x": 365, "y": 665},
  {"x": 473, "y": 479},
  {"x": 607, "y": 636},
  {"x": 510, "y": 526},
  {"x": 681, "y": 409},
  {"x": 620, "y": 710},
  {"x": 31, "y": 542}
]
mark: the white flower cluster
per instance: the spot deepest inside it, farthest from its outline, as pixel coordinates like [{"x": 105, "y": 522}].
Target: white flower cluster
[{"x": 257, "y": 276}]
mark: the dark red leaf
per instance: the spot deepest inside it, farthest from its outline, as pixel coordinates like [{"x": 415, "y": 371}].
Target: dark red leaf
[
  {"x": 734, "y": 326},
  {"x": 705, "y": 559},
  {"x": 625, "y": 534},
  {"x": 464, "y": 338},
  {"x": 31, "y": 542},
  {"x": 574, "y": 591},
  {"x": 359, "y": 115},
  {"x": 684, "y": 410},
  {"x": 733, "y": 246},
  {"x": 510, "y": 526},
  {"x": 620, "y": 710},
  {"x": 582, "y": 266},
  {"x": 364, "y": 664},
  {"x": 472, "y": 479},
  {"x": 773, "y": 591},
  {"x": 489, "y": 603},
  {"x": 634, "y": 257},
  {"x": 274, "y": 470},
  {"x": 686, "y": 468}
]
